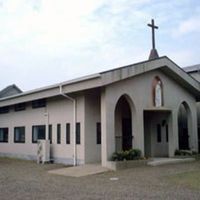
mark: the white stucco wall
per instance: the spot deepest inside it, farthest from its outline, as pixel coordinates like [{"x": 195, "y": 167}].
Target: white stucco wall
[
  {"x": 60, "y": 111},
  {"x": 92, "y": 116}
]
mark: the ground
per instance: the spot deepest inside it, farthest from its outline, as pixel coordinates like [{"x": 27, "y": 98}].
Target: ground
[{"x": 27, "y": 180}]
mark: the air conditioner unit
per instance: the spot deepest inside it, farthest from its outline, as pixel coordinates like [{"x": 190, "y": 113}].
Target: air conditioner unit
[{"x": 43, "y": 151}]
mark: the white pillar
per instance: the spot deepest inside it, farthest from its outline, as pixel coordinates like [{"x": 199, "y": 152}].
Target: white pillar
[
  {"x": 107, "y": 129},
  {"x": 173, "y": 133},
  {"x": 194, "y": 130},
  {"x": 138, "y": 129}
]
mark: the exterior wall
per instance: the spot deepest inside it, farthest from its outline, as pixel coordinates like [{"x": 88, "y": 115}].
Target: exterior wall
[
  {"x": 139, "y": 89},
  {"x": 92, "y": 116},
  {"x": 58, "y": 111}
]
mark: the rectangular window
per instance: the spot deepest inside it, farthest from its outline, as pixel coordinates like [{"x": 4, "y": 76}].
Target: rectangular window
[
  {"x": 4, "y": 109},
  {"x": 58, "y": 134},
  {"x": 38, "y": 133},
  {"x": 50, "y": 133},
  {"x": 39, "y": 103},
  {"x": 4, "y": 135},
  {"x": 167, "y": 133},
  {"x": 19, "y": 134},
  {"x": 98, "y": 132},
  {"x": 158, "y": 133},
  {"x": 78, "y": 133},
  {"x": 20, "y": 107},
  {"x": 68, "y": 133}
]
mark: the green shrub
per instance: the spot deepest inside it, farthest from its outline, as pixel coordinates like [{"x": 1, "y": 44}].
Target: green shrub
[
  {"x": 132, "y": 154},
  {"x": 184, "y": 152}
]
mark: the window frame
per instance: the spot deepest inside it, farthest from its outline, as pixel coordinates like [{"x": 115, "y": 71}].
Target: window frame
[
  {"x": 50, "y": 133},
  {"x": 58, "y": 133},
  {"x": 4, "y": 109},
  {"x": 78, "y": 133},
  {"x": 98, "y": 133},
  {"x": 67, "y": 133},
  {"x": 38, "y": 126},
  {"x": 167, "y": 133},
  {"x": 39, "y": 103},
  {"x": 23, "y": 132},
  {"x": 5, "y": 139},
  {"x": 20, "y": 107},
  {"x": 159, "y": 133}
]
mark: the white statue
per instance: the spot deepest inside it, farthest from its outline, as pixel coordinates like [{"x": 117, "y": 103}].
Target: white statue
[{"x": 158, "y": 94}]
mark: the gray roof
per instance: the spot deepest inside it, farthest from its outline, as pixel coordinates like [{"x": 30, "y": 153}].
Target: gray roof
[
  {"x": 108, "y": 77},
  {"x": 193, "y": 68},
  {"x": 10, "y": 91}
]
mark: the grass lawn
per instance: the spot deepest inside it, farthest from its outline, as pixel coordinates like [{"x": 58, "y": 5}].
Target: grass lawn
[{"x": 188, "y": 179}]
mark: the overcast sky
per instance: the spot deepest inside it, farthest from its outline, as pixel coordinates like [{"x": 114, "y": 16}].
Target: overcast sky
[{"x": 43, "y": 42}]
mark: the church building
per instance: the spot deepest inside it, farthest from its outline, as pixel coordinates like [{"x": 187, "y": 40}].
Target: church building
[{"x": 151, "y": 106}]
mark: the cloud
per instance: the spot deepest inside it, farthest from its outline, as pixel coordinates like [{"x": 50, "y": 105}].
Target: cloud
[
  {"x": 190, "y": 25},
  {"x": 64, "y": 39}
]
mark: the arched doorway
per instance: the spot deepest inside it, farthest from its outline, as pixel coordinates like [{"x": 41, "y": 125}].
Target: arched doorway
[
  {"x": 184, "y": 119},
  {"x": 123, "y": 124}
]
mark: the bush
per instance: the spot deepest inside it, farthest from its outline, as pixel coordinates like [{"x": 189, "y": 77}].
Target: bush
[
  {"x": 184, "y": 152},
  {"x": 132, "y": 154}
]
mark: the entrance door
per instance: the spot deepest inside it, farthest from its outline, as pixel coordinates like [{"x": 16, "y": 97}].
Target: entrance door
[
  {"x": 156, "y": 133},
  {"x": 183, "y": 130},
  {"x": 183, "y": 139},
  {"x": 161, "y": 139},
  {"x": 126, "y": 134}
]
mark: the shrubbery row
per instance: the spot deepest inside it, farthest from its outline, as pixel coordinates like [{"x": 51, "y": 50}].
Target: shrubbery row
[{"x": 132, "y": 154}]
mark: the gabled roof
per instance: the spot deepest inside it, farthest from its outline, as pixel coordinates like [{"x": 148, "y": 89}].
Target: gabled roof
[
  {"x": 10, "y": 91},
  {"x": 164, "y": 64},
  {"x": 193, "y": 68}
]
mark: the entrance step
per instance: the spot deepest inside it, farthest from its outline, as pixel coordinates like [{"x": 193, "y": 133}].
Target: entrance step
[
  {"x": 165, "y": 161},
  {"x": 81, "y": 170}
]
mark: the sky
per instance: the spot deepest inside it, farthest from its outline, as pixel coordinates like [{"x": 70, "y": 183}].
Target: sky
[{"x": 43, "y": 42}]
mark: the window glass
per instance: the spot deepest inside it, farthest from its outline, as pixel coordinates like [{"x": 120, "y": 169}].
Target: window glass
[
  {"x": 50, "y": 133},
  {"x": 20, "y": 107},
  {"x": 98, "y": 132},
  {"x": 167, "y": 133},
  {"x": 68, "y": 133},
  {"x": 78, "y": 133},
  {"x": 4, "y": 109},
  {"x": 39, "y": 103},
  {"x": 4, "y": 135},
  {"x": 58, "y": 134},
  {"x": 159, "y": 133},
  {"x": 19, "y": 134},
  {"x": 38, "y": 133}
]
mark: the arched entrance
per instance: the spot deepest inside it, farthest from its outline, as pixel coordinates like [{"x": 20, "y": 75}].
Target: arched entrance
[
  {"x": 184, "y": 118},
  {"x": 123, "y": 124}
]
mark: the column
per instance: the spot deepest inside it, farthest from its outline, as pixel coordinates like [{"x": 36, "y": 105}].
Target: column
[{"x": 107, "y": 129}]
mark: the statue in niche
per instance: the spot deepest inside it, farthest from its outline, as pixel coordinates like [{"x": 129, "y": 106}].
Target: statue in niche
[{"x": 158, "y": 94}]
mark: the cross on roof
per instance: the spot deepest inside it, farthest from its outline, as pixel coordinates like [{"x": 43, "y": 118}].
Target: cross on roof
[{"x": 153, "y": 26}]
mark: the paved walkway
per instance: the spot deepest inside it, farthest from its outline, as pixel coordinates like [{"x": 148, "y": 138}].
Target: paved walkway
[
  {"x": 90, "y": 169},
  {"x": 78, "y": 171},
  {"x": 164, "y": 161}
]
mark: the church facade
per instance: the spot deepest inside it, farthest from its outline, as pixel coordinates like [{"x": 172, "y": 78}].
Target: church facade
[{"x": 150, "y": 105}]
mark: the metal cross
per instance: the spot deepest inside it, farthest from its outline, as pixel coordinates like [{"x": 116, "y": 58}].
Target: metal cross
[{"x": 153, "y": 26}]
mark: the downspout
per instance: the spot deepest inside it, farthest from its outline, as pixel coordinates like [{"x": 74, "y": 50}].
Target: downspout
[{"x": 74, "y": 120}]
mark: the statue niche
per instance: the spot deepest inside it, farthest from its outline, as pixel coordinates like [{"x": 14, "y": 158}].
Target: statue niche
[{"x": 157, "y": 92}]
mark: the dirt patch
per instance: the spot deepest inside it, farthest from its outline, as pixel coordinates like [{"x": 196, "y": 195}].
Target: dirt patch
[{"x": 26, "y": 180}]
